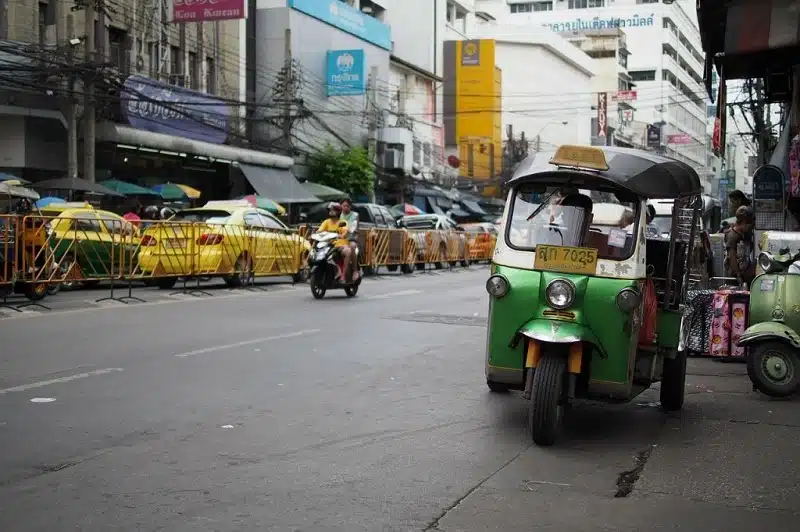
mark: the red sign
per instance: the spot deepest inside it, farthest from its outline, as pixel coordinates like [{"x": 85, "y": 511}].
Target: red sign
[
  {"x": 680, "y": 138},
  {"x": 625, "y": 96},
  {"x": 208, "y": 10}
]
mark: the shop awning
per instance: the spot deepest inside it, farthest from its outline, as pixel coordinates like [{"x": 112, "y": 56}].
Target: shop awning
[
  {"x": 120, "y": 134},
  {"x": 324, "y": 192},
  {"x": 277, "y": 184}
]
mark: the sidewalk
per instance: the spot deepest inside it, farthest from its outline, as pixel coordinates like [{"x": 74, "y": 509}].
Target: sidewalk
[{"x": 729, "y": 462}]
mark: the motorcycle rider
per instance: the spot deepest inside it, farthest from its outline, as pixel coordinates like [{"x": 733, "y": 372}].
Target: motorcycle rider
[
  {"x": 351, "y": 217},
  {"x": 331, "y": 225}
]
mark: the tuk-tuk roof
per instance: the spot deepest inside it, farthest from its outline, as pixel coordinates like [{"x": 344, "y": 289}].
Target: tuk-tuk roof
[{"x": 643, "y": 173}]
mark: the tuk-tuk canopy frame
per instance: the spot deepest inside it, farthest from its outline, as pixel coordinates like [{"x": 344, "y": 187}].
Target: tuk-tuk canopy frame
[{"x": 641, "y": 173}]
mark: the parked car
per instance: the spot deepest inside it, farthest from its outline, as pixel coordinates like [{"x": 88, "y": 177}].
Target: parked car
[
  {"x": 231, "y": 241},
  {"x": 90, "y": 245},
  {"x": 431, "y": 232}
]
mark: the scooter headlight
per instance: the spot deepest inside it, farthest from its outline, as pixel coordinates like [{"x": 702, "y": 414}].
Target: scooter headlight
[
  {"x": 560, "y": 294},
  {"x": 765, "y": 262},
  {"x": 497, "y": 286}
]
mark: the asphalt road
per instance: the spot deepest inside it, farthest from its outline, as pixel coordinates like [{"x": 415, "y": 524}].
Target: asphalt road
[{"x": 266, "y": 410}]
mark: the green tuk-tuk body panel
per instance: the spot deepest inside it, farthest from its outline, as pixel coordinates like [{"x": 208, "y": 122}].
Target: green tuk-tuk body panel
[
  {"x": 595, "y": 319},
  {"x": 668, "y": 330}
]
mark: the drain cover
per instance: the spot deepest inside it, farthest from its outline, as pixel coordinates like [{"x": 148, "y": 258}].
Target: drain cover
[{"x": 444, "y": 319}]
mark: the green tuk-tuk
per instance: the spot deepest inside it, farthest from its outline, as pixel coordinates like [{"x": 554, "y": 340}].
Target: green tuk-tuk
[{"x": 582, "y": 304}]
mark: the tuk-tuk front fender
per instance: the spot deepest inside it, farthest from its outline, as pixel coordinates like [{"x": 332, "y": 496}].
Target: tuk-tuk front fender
[
  {"x": 556, "y": 332},
  {"x": 769, "y": 330}
]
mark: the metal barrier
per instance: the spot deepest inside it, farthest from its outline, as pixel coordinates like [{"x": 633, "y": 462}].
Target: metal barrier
[{"x": 67, "y": 251}]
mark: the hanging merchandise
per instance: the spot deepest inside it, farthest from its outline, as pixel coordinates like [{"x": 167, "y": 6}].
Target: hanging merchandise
[
  {"x": 794, "y": 168},
  {"x": 718, "y": 137}
]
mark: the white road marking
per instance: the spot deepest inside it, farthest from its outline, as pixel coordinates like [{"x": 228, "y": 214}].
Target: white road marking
[
  {"x": 244, "y": 343},
  {"x": 395, "y": 294},
  {"x": 227, "y": 426},
  {"x": 43, "y": 399},
  {"x": 60, "y": 380}
]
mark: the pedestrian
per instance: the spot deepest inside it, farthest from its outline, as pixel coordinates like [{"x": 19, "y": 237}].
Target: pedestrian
[
  {"x": 737, "y": 199},
  {"x": 739, "y": 247}
]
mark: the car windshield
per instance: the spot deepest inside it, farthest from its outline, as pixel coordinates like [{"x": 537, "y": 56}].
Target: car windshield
[
  {"x": 585, "y": 218},
  {"x": 201, "y": 215}
]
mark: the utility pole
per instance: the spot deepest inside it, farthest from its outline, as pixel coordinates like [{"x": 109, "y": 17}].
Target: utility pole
[
  {"x": 89, "y": 110},
  {"x": 72, "y": 121},
  {"x": 288, "y": 91},
  {"x": 372, "y": 114}
]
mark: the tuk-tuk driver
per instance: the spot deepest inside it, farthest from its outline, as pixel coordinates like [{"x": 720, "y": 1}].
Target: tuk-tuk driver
[{"x": 574, "y": 212}]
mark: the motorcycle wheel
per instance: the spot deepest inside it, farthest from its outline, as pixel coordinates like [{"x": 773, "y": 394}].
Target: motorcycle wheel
[
  {"x": 318, "y": 285},
  {"x": 351, "y": 290}
]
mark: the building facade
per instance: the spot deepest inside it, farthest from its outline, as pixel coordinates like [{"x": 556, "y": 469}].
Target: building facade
[
  {"x": 665, "y": 63},
  {"x": 165, "y": 97}
]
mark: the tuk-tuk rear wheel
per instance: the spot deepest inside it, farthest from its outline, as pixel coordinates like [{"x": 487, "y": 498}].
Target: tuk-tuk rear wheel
[
  {"x": 35, "y": 291},
  {"x": 673, "y": 382},
  {"x": 774, "y": 369},
  {"x": 546, "y": 407}
]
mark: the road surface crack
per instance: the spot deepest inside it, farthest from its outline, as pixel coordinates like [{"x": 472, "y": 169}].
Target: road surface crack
[
  {"x": 434, "y": 524},
  {"x": 627, "y": 479}
]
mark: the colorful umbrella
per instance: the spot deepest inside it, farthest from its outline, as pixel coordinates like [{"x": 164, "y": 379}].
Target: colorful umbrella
[
  {"x": 49, "y": 200},
  {"x": 9, "y": 179},
  {"x": 265, "y": 203},
  {"x": 128, "y": 189},
  {"x": 174, "y": 191}
]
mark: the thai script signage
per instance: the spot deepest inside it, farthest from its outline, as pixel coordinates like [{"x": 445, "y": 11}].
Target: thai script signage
[
  {"x": 679, "y": 138},
  {"x": 598, "y": 23},
  {"x": 348, "y": 19},
  {"x": 161, "y": 108},
  {"x": 345, "y": 71},
  {"x": 625, "y": 96},
  {"x": 207, "y": 10}
]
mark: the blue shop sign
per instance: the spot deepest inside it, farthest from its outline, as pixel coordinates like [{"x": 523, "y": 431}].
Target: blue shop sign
[
  {"x": 160, "y": 108},
  {"x": 345, "y": 72},
  {"x": 346, "y": 18},
  {"x": 598, "y": 23}
]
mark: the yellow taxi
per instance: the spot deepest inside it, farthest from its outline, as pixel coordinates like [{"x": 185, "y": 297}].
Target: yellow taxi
[
  {"x": 90, "y": 245},
  {"x": 232, "y": 240}
]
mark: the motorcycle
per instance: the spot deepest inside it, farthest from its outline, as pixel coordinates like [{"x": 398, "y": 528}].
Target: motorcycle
[
  {"x": 326, "y": 267},
  {"x": 772, "y": 339}
]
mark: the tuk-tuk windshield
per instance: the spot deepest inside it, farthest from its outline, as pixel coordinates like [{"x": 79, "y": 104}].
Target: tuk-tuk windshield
[{"x": 569, "y": 217}]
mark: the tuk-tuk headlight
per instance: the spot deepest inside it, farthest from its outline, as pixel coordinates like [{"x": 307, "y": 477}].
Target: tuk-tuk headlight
[
  {"x": 497, "y": 286},
  {"x": 560, "y": 294},
  {"x": 628, "y": 299}
]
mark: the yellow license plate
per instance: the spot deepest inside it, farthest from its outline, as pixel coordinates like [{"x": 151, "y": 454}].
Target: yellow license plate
[{"x": 562, "y": 259}]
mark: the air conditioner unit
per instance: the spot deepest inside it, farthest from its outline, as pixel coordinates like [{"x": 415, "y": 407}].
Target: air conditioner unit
[{"x": 393, "y": 159}]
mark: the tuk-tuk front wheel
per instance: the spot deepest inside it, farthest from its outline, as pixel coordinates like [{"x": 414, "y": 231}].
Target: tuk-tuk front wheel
[
  {"x": 497, "y": 387},
  {"x": 773, "y": 367},
  {"x": 546, "y": 410},
  {"x": 673, "y": 382}
]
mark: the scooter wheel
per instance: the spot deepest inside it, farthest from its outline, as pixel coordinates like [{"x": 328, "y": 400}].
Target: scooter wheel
[{"x": 774, "y": 368}]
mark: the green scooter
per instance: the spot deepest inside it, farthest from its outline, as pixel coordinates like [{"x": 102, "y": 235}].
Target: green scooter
[{"x": 773, "y": 338}]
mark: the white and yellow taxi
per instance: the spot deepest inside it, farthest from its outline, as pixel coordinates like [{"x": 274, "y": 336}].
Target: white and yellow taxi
[{"x": 233, "y": 240}]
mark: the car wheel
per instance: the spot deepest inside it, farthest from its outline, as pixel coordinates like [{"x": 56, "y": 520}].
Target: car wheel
[
  {"x": 242, "y": 272},
  {"x": 165, "y": 284}
]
